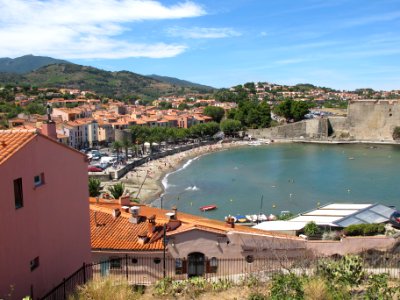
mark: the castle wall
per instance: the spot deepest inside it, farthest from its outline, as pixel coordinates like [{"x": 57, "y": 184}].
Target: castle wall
[{"x": 367, "y": 120}]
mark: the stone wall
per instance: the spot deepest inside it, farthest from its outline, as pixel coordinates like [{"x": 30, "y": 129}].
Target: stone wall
[
  {"x": 308, "y": 129},
  {"x": 367, "y": 120},
  {"x": 373, "y": 119}
]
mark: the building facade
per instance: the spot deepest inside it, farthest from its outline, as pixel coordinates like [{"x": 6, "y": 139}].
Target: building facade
[{"x": 44, "y": 224}]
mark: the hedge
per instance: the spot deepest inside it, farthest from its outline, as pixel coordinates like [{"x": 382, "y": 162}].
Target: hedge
[{"x": 364, "y": 229}]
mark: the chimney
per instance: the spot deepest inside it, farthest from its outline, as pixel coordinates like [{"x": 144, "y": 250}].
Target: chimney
[
  {"x": 175, "y": 210},
  {"x": 230, "y": 222},
  {"x": 135, "y": 219},
  {"x": 116, "y": 213},
  {"x": 142, "y": 238},
  {"x": 151, "y": 224},
  {"x": 49, "y": 129}
]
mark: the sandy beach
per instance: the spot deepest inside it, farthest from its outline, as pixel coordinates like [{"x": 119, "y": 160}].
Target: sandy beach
[{"x": 144, "y": 182}]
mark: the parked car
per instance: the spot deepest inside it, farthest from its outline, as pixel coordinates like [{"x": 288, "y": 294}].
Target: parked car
[
  {"x": 395, "y": 219},
  {"x": 94, "y": 169}
]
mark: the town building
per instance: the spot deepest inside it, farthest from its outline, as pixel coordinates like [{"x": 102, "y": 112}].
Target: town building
[
  {"x": 144, "y": 234},
  {"x": 44, "y": 224}
]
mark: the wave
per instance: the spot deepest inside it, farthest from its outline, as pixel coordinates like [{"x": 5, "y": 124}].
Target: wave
[
  {"x": 164, "y": 181},
  {"x": 192, "y": 188}
]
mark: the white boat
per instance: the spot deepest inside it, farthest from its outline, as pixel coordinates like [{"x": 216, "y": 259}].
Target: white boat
[{"x": 254, "y": 143}]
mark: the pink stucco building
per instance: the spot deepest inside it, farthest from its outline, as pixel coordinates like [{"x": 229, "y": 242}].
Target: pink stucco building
[{"x": 44, "y": 219}]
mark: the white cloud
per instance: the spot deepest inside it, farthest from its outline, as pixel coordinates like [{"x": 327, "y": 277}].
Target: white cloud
[
  {"x": 202, "y": 32},
  {"x": 85, "y": 29}
]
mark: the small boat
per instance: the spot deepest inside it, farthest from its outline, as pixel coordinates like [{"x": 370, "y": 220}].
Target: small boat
[{"x": 208, "y": 207}]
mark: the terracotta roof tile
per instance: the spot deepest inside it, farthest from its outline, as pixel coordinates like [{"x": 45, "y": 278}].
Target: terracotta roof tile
[
  {"x": 12, "y": 141},
  {"x": 120, "y": 234}
]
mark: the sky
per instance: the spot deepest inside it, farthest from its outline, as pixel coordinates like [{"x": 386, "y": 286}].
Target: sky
[{"x": 342, "y": 44}]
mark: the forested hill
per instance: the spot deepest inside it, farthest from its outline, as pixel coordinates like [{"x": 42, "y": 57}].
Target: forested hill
[
  {"x": 26, "y": 63},
  {"x": 122, "y": 84},
  {"x": 180, "y": 82}
]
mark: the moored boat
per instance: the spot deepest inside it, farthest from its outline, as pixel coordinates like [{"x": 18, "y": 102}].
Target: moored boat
[{"x": 208, "y": 207}]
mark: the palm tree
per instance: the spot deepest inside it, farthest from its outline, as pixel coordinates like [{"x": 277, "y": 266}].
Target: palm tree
[
  {"x": 94, "y": 187},
  {"x": 126, "y": 144},
  {"x": 117, "y": 146},
  {"x": 117, "y": 190}
]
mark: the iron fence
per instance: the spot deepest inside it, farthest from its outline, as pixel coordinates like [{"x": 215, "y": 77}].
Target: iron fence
[{"x": 148, "y": 270}]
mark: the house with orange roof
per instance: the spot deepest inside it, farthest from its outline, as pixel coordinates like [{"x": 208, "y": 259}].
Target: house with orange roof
[
  {"x": 81, "y": 133},
  {"x": 196, "y": 244},
  {"x": 44, "y": 224}
]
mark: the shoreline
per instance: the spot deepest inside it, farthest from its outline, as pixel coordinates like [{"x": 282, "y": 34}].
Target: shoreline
[{"x": 145, "y": 182}]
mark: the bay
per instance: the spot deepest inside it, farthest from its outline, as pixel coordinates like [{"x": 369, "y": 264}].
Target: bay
[{"x": 293, "y": 177}]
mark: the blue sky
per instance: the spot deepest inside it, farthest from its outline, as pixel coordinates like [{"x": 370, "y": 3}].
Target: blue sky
[{"x": 343, "y": 44}]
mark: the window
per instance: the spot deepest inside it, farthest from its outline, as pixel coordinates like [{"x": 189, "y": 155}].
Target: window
[
  {"x": 34, "y": 263},
  {"x": 115, "y": 263},
  {"x": 213, "y": 265},
  {"x": 157, "y": 260},
  {"x": 250, "y": 258},
  {"x": 18, "y": 195},
  {"x": 39, "y": 179},
  {"x": 178, "y": 266}
]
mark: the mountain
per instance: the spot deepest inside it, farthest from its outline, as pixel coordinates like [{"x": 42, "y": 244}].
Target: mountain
[
  {"x": 27, "y": 63},
  {"x": 122, "y": 84},
  {"x": 180, "y": 82}
]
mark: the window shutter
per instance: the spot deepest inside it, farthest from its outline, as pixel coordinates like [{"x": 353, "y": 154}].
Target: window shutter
[
  {"x": 208, "y": 267},
  {"x": 184, "y": 266}
]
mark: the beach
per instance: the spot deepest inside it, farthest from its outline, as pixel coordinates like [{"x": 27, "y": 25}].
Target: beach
[{"x": 145, "y": 182}]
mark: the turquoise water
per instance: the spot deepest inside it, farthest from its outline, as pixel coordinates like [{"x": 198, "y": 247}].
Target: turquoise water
[{"x": 294, "y": 177}]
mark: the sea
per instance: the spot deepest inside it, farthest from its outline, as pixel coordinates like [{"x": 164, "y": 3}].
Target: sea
[{"x": 291, "y": 177}]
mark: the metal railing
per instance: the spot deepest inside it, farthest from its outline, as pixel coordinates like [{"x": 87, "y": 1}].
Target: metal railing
[{"x": 148, "y": 270}]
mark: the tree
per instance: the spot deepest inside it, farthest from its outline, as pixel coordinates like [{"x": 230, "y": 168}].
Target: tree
[
  {"x": 183, "y": 106},
  {"x": 117, "y": 146},
  {"x": 216, "y": 113},
  {"x": 117, "y": 190},
  {"x": 311, "y": 229},
  {"x": 126, "y": 144},
  {"x": 299, "y": 109},
  {"x": 284, "y": 109},
  {"x": 231, "y": 127},
  {"x": 94, "y": 187}
]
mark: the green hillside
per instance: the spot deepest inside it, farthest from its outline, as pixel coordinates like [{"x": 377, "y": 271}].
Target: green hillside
[
  {"x": 26, "y": 63},
  {"x": 122, "y": 84}
]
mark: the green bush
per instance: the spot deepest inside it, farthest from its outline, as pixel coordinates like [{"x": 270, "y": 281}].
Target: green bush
[
  {"x": 348, "y": 270},
  {"x": 364, "y": 229},
  {"x": 311, "y": 229},
  {"x": 286, "y": 287},
  {"x": 257, "y": 296},
  {"x": 378, "y": 288}
]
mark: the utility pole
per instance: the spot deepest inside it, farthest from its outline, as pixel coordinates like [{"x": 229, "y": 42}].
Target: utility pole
[{"x": 164, "y": 248}]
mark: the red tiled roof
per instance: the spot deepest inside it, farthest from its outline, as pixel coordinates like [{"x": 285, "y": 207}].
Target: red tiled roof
[
  {"x": 12, "y": 141},
  {"x": 120, "y": 234}
]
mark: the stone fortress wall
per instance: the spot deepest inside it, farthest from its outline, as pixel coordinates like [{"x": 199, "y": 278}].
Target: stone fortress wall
[{"x": 367, "y": 120}]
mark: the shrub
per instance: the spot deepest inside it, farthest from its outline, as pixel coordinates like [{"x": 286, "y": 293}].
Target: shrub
[
  {"x": 347, "y": 270},
  {"x": 105, "y": 289},
  {"x": 331, "y": 235},
  {"x": 311, "y": 229},
  {"x": 378, "y": 288},
  {"x": 163, "y": 286},
  {"x": 317, "y": 289},
  {"x": 257, "y": 296},
  {"x": 364, "y": 229},
  {"x": 286, "y": 287}
]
